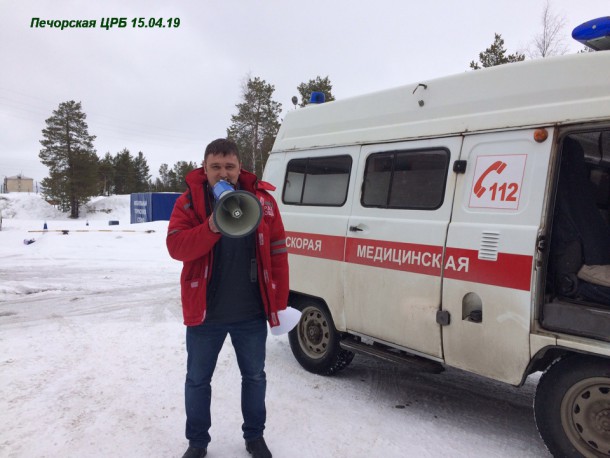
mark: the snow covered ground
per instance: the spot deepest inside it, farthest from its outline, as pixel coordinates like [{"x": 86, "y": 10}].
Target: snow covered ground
[{"x": 92, "y": 363}]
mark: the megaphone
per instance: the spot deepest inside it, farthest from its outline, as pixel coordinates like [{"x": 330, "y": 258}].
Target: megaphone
[{"x": 237, "y": 213}]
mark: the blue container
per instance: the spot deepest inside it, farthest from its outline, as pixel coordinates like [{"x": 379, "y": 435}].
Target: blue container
[{"x": 152, "y": 206}]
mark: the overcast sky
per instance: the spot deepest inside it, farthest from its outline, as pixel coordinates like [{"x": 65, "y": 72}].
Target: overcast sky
[{"x": 169, "y": 91}]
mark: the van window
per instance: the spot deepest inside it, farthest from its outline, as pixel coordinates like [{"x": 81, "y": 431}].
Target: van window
[
  {"x": 317, "y": 181},
  {"x": 405, "y": 179}
]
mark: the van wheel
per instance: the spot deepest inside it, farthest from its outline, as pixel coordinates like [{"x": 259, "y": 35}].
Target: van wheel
[
  {"x": 572, "y": 407},
  {"x": 315, "y": 342}
]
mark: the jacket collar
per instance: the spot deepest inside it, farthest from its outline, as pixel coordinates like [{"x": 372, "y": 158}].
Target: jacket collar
[{"x": 197, "y": 183}]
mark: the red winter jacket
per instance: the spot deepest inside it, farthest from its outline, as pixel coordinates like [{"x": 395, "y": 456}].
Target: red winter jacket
[{"x": 190, "y": 240}]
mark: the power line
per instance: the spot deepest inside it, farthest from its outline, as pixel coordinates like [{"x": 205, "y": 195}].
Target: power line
[{"x": 96, "y": 122}]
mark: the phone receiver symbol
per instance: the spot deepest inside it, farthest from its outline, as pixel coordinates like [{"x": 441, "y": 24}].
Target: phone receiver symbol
[{"x": 497, "y": 167}]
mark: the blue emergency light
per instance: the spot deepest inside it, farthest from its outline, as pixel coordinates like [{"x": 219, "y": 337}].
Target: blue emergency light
[
  {"x": 317, "y": 97},
  {"x": 594, "y": 33}
]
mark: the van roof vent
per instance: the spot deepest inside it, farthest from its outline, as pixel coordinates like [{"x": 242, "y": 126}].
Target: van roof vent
[{"x": 490, "y": 241}]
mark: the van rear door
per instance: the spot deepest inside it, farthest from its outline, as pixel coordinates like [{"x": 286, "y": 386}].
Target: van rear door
[{"x": 395, "y": 242}]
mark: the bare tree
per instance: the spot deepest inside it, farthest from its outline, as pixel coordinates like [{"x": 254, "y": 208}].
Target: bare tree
[{"x": 550, "y": 42}]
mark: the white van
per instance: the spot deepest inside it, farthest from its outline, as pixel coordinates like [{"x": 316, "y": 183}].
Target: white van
[{"x": 462, "y": 221}]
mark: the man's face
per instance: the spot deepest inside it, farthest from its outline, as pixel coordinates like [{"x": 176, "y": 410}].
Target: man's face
[{"x": 219, "y": 167}]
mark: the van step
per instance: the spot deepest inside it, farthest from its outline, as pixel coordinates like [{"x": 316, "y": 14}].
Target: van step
[{"x": 392, "y": 355}]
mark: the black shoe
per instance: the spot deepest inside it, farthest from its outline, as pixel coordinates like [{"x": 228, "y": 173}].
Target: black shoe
[
  {"x": 258, "y": 448},
  {"x": 194, "y": 452}
]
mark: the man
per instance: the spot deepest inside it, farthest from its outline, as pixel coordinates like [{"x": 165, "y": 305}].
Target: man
[{"x": 229, "y": 286}]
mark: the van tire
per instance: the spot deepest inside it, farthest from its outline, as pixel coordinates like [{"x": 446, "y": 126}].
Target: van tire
[
  {"x": 572, "y": 407},
  {"x": 314, "y": 341}
]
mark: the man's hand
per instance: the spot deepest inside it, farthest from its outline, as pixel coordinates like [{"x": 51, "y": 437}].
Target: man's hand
[{"x": 212, "y": 225}]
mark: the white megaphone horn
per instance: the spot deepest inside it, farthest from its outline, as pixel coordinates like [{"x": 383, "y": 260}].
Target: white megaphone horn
[{"x": 237, "y": 213}]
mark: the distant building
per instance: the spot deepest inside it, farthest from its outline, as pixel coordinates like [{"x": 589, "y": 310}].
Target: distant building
[{"x": 18, "y": 183}]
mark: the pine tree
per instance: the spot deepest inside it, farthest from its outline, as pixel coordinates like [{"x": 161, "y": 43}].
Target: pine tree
[
  {"x": 495, "y": 55},
  {"x": 173, "y": 180},
  {"x": 162, "y": 183},
  {"x": 142, "y": 173},
  {"x": 180, "y": 171},
  {"x": 69, "y": 154},
  {"x": 318, "y": 85},
  {"x": 124, "y": 173},
  {"x": 255, "y": 125},
  {"x": 106, "y": 175}
]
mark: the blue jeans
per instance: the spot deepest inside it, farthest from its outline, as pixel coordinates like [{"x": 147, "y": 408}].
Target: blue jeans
[{"x": 203, "y": 344}]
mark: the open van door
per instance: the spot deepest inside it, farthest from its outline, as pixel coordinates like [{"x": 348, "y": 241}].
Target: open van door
[{"x": 494, "y": 229}]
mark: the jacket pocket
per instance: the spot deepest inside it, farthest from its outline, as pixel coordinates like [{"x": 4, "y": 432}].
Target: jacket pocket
[{"x": 193, "y": 300}]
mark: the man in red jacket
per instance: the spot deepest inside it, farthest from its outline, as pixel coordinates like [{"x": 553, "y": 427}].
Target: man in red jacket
[{"x": 228, "y": 286}]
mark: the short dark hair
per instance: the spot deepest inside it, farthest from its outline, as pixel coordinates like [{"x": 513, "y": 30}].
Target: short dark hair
[{"x": 222, "y": 146}]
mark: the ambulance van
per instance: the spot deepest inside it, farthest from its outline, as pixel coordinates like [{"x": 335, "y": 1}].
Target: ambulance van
[{"x": 464, "y": 222}]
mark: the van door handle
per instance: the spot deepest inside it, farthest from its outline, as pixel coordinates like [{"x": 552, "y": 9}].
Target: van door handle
[{"x": 355, "y": 229}]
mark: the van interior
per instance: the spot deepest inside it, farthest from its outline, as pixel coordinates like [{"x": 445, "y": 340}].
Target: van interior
[{"x": 577, "y": 291}]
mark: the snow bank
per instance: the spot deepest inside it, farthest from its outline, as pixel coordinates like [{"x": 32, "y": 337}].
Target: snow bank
[
  {"x": 111, "y": 207},
  {"x": 18, "y": 205},
  {"x": 21, "y": 205}
]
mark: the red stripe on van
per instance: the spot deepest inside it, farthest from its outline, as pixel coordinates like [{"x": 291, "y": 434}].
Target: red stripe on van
[
  {"x": 316, "y": 245},
  {"x": 509, "y": 270},
  {"x": 408, "y": 257}
]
